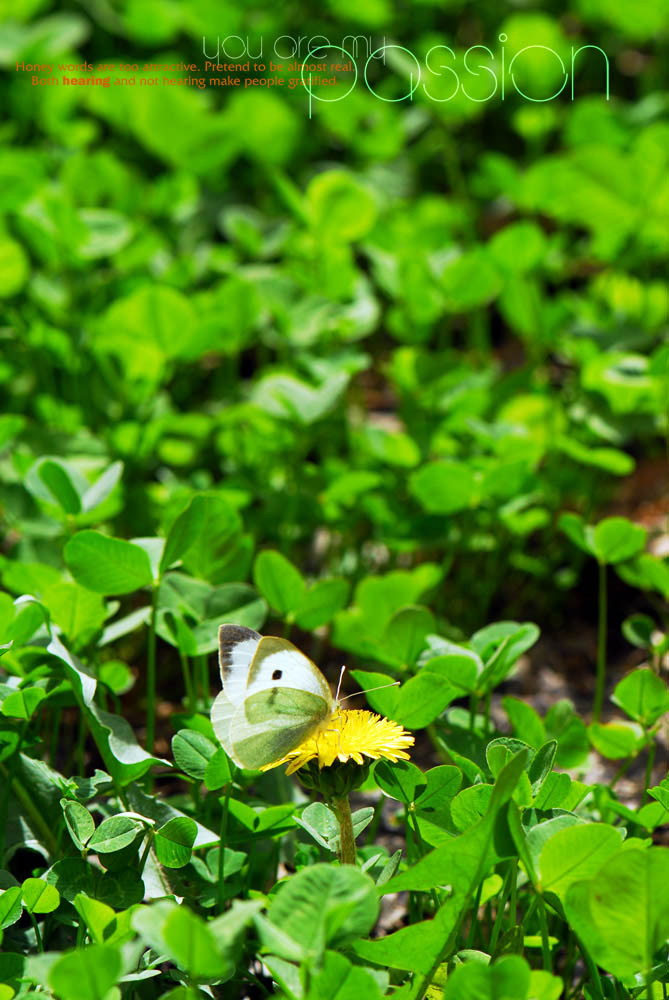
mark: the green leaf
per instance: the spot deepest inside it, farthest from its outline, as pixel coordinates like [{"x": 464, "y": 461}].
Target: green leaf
[
  {"x": 296, "y": 401},
  {"x": 114, "y": 833},
  {"x": 192, "y": 752},
  {"x": 184, "y": 532},
  {"x": 87, "y": 973},
  {"x": 340, "y": 206},
  {"x": 518, "y": 247},
  {"x": 616, "y": 740},
  {"x": 321, "y": 823},
  {"x": 457, "y": 862},
  {"x": 500, "y": 646},
  {"x": 507, "y": 979},
  {"x": 157, "y": 809},
  {"x": 405, "y": 634},
  {"x": 79, "y": 822},
  {"x": 218, "y": 771},
  {"x": 96, "y": 494},
  {"x": 145, "y": 328},
  {"x": 563, "y": 724},
  {"x": 384, "y": 701},
  {"x": 55, "y": 477},
  {"x": 620, "y": 914},
  {"x": 639, "y": 629},
  {"x": 458, "y": 667},
  {"x": 279, "y": 582},
  {"x": 423, "y": 698},
  {"x": 124, "y": 758},
  {"x": 79, "y": 612},
  {"x": 443, "y": 784},
  {"x": 212, "y": 556},
  {"x": 470, "y": 805},
  {"x": 97, "y": 916},
  {"x": 22, "y": 704},
  {"x": 575, "y": 853},
  {"x": 39, "y": 896},
  {"x": 14, "y": 267},
  {"x": 323, "y": 905},
  {"x": 20, "y": 619},
  {"x": 526, "y": 722},
  {"x": 339, "y": 979},
  {"x": 107, "y": 565},
  {"x": 443, "y": 487},
  {"x": 174, "y": 841},
  {"x": 661, "y": 793},
  {"x": 578, "y": 532},
  {"x": 192, "y": 945},
  {"x": 616, "y": 539},
  {"x": 413, "y": 948},
  {"x": 643, "y": 695},
  {"x": 469, "y": 280},
  {"x": 542, "y": 764},
  {"x": 321, "y": 603},
  {"x": 11, "y": 906},
  {"x": 72, "y": 876},
  {"x": 648, "y": 572},
  {"x": 401, "y": 780}
]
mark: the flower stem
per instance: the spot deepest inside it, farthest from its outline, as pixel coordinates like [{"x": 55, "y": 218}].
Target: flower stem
[{"x": 342, "y": 810}]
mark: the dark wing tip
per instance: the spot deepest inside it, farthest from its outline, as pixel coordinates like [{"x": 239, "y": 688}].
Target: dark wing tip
[{"x": 228, "y": 637}]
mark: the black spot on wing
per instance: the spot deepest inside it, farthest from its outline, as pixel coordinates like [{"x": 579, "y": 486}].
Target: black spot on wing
[{"x": 277, "y": 675}]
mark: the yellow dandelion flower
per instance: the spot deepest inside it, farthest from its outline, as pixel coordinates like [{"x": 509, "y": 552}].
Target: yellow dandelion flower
[{"x": 351, "y": 734}]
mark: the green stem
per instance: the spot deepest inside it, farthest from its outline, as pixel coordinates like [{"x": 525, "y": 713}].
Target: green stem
[
  {"x": 619, "y": 773},
  {"x": 601, "y": 645},
  {"x": 499, "y": 916},
  {"x": 145, "y": 852},
  {"x": 373, "y": 828},
  {"x": 473, "y": 705},
  {"x": 38, "y": 936},
  {"x": 151, "y": 675},
  {"x": 55, "y": 739},
  {"x": 81, "y": 741},
  {"x": 649, "y": 770},
  {"x": 595, "y": 981},
  {"x": 475, "y": 922},
  {"x": 223, "y": 835},
  {"x": 545, "y": 943},
  {"x": 486, "y": 703},
  {"x": 342, "y": 810},
  {"x": 513, "y": 902},
  {"x": 188, "y": 681},
  {"x": 204, "y": 681}
]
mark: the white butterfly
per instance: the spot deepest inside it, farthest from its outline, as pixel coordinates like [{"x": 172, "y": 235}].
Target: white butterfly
[{"x": 273, "y": 697}]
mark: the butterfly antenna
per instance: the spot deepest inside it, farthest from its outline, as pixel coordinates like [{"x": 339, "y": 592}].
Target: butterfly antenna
[
  {"x": 367, "y": 690},
  {"x": 341, "y": 677}
]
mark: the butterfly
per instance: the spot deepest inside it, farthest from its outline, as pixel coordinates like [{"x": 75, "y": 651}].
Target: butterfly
[{"x": 273, "y": 697}]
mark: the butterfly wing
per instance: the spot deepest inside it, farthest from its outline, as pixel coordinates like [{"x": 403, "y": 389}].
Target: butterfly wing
[
  {"x": 236, "y": 648},
  {"x": 285, "y": 699},
  {"x": 222, "y": 712},
  {"x": 277, "y": 663}
]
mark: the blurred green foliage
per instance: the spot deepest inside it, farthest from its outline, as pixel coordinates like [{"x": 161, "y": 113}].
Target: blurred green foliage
[
  {"x": 375, "y": 370},
  {"x": 408, "y": 328}
]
